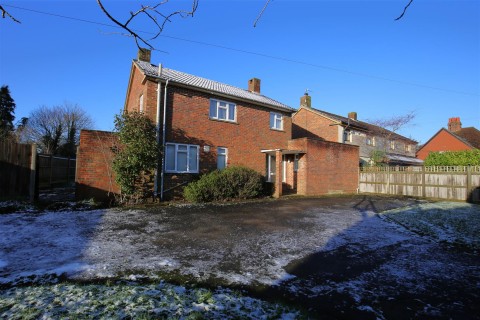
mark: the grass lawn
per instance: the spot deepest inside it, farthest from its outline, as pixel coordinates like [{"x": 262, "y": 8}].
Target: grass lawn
[
  {"x": 451, "y": 222},
  {"x": 134, "y": 301}
]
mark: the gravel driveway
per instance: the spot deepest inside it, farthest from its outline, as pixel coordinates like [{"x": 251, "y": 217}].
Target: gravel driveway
[{"x": 332, "y": 255}]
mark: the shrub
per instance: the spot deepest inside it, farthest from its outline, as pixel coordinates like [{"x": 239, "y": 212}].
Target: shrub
[
  {"x": 136, "y": 157},
  {"x": 453, "y": 158},
  {"x": 228, "y": 184}
]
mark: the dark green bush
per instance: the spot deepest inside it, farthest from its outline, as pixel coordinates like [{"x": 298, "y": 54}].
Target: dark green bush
[{"x": 228, "y": 184}]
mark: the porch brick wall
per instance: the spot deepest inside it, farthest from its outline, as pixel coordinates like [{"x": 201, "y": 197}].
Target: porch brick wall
[
  {"x": 94, "y": 175},
  {"x": 326, "y": 167}
]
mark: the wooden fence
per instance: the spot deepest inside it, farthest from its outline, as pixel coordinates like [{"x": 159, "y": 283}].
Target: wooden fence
[
  {"x": 17, "y": 170},
  {"x": 452, "y": 183},
  {"x": 55, "y": 171}
]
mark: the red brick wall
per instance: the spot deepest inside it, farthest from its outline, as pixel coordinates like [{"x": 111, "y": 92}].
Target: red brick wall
[
  {"x": 141, "y": 86},
  {"x": 308, "y": 124},
  {"x": 326, "y": 167},
  {"x": 94, "y": 176},
  {"x": 443, "y": 141}
]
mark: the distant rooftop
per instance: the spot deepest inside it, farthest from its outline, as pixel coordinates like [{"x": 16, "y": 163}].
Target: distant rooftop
[{"x": 210, "y": 85}]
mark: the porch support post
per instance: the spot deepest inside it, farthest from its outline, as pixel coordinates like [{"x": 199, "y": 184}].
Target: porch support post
[{"x": 278, "y": 174}]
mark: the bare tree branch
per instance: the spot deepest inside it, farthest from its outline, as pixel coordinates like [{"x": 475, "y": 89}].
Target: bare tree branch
[
  {"x": 261, "y": 12},
  {"x": 153, "y": 14},
  {"x": 404, "y": 10},
  {"x": 6, "y": 14}
]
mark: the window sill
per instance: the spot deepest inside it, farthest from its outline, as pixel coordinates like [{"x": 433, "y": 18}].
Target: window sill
[
  {"x": 278, "y": 130},
  {"x": 224, "y": 121},
  {"x": 181, "y": 172}
]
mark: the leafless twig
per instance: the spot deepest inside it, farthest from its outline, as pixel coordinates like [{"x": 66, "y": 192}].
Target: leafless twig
[
  {"x": 261, "y": 12},
  {"x": 153, "y": 14},
  {"x": 404, "y": 10},
  {"x": 6, "y": 14}
]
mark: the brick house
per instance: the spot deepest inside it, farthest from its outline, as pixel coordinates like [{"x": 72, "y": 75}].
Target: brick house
[
  {"x": 206, "y": 125},
  {"x": 318, "y": 124},
  {"x": 455, "y": 138}
]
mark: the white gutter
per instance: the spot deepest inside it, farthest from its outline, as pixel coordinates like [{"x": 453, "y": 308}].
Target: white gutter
[
  {"x": 164, "y": 129},
  {"x": 159, "y": 91}
]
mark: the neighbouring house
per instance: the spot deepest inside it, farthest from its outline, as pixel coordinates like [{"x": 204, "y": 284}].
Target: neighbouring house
[
  {"x": 455, "y": 138},
  {"x": 318, "y": 124},
  {"x": 206, "y": 125}
]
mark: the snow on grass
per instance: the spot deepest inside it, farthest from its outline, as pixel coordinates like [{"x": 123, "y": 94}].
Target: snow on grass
[
  {"x": 132, "y": 300},
  {"x": 451, "y": 222}
]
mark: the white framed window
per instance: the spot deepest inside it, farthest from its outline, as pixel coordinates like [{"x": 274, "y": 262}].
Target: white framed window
[
  {"x": 222, "y": 110},
  {"x": 392, "y": 145},
  {"x": 369, "y": 141},
  {"x": 347, "y": 136},
  {"x": 181, "y": 158},
  {"x": 408, "y": 148},
  {"x": 222, "y": 156},
  {"x": 276, "y": 121},
  {"x": 140, "y": 103},
  {"x": 374, "y": 141}
]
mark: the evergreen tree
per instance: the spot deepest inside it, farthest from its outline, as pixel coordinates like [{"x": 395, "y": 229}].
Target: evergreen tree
[{"x": 7, "y": 109}]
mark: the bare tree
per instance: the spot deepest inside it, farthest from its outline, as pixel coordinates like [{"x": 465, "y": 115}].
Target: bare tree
[
  {"x": 5, "y": 14},
  {"x": 387, "y": 129},
  {"x": 56, "y": 130},
  {"x": 153, "y": 15}
]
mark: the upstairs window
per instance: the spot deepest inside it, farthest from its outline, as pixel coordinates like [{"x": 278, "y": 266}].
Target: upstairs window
[
  {"x": 347, "y": 136},
  {"x": 392, "y": 145},
  {"x": 370, "y": 141},
  {"x": 408, "y": 148},
  {"x": 221, "y": 110},
  {"x": 276, "y": 121},
  {"x": 140, "y": 104},
  {"x": 181, "y": 158}
]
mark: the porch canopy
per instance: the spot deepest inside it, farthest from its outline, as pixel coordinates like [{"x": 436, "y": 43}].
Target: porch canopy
[{"x": 273, "y": 152}]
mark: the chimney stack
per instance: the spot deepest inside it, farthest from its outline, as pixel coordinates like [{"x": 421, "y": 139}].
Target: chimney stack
[
  {"x": 454, "y": 124},
  {"x": 306, "y": 101},
  {"x": 254, "y": 85},
  {"x": 144, "y": 54},
  {"x": 352, "y": 115}
]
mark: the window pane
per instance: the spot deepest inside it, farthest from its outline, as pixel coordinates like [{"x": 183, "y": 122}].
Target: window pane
[
  {"x": 192, "y": 159},
  {"x": 272, "y": 120},
  {"x": 213, "y": 109},
  {"x": 170, "y": 158},
  {"x": 221, "y": 158},
  {"x": 231, "y": 112},
  {"x": 278, "y": 124},
  {"x": 222, "y": 113},
  {"x": 182, "y": 161}
]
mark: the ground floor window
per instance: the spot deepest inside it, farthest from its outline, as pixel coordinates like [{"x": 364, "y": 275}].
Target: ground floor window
[
  {"x": 271, "y": 168},
  {"x": 181, "y": 158},
  {"x": 222, "y": 158}
]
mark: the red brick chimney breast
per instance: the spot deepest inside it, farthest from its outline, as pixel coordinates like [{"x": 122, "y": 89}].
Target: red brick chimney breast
[
  {"x": 454, "y": 124},
  {"x": 254, "y": 85}
]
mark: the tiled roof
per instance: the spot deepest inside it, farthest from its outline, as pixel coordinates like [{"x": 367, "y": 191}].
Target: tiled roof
[
  {"x": 206, "y": 84},
  {"x": 367, "y": 127},
  {"x": 470, "y": 135}
]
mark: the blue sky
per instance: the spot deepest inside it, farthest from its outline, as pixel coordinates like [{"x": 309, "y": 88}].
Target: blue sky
[{"x": 351, "y": 55}]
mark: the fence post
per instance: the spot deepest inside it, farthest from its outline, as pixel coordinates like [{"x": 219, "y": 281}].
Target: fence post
[
  {"x": 33, "y": 174},
  {"x": 469, "y": 184},
  {"x": 388, "y": 179},
  {"x": 51, "y": 171},
  {"x": 424, "y": 185}
]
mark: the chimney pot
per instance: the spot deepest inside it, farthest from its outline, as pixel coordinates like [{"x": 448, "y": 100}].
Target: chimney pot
[
  {"x": 254, "y": 85},
  {"x": 144, "y": 54},
  {"x": 454, "y": 124},
  {"x": 352, "y": 115},
  {"x": 306, "y": 101}
]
